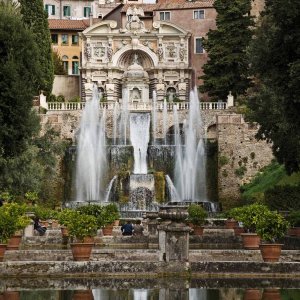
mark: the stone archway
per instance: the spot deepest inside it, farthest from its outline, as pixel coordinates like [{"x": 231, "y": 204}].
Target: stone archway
[{"x": 123, "y": 57}]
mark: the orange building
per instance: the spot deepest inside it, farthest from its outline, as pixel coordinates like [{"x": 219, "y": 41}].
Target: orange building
[{"x": 67, "y": 43}]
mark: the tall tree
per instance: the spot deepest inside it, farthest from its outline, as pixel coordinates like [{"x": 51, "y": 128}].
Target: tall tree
[
  {"x": 227, "y": 67},
  {"x": 18, "y": 74},
  {"x": 36, "y": 18},
  {"x": 275, "y": 62}
]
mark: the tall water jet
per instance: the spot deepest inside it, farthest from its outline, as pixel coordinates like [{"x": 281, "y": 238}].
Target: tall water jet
[
  {"x": 139, "y": 136},
  {"x": 124, "y": 117},
  {"x": 190, "y": 166},
  {"x": 154, "y": 118},
  {"x": 91, "y": 162},
  {"x": 165, "y": 121},
  {"x": 116, "y": 113}
]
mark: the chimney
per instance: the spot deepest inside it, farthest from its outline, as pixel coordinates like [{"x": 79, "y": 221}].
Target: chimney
[{"x": 91, "y": 18}]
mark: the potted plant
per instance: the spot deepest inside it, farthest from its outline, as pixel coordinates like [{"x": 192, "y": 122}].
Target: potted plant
[
  {"x": 80, "y": 227},
  {"x": 7, "y": 229},
  {"x": 17, "y": 212},
  {"x": 249, "y": 215},
  {"x": 64, "y": 217},
  {"x": 232, "y": 223},
  {"x": 294, "y": 219},
  {"x": 109, "y": 215},
  {"x": 271, "y": 228},
  {"x": 196, "y": 217}
]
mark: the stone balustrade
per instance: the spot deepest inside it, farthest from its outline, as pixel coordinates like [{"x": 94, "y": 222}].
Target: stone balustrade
[{"x": 135, "y": 106}]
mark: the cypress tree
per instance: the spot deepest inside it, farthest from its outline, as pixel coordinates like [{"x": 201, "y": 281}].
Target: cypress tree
[
  {"x": 18, "y": 74},
  {"x": 274, "y": 56},
  {"x": 227, "y": 67},
  {"x": 36, "y": 19}
]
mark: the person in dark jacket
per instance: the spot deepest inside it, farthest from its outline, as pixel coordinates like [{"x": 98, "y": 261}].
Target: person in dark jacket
[
  {"x": 127, "y": 228},
  {"x": 38, "y": 227}
]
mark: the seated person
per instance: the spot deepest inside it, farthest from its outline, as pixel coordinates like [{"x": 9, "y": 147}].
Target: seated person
[
  {"x": 127, "y": 228},
  {"x": 38, "y": 227},
  {"x": 138, "y": 228}
]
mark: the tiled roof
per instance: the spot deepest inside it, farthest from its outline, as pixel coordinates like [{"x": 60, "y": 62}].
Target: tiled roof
[
  {"x": 145, "y": 7},
  {"x": 172, "y": 4},
  {"x": 179, "y": 4},
  {"x": 69, "y": 24}
]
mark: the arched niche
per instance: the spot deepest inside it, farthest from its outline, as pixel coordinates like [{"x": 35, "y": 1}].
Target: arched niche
[{"x": 124, "y": 57}]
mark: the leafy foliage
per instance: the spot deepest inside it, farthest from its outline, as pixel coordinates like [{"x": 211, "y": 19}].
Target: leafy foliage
[
  {"x": 35, "y": 17},
  {"x": 93, "y": 210},
  {"x": 58, "y": 64},
  {"x": 272, "y": 226},
  {"x": 283, "y": 197},
  {"x": 227, "y": 67},
  {"x": 197, "y": 214},
  {"x": 82, "y": 225},
  {"x": 294, "y": 218},
  {"x": 275, "y": 63},
  {"x": 249, "y": 215},
  {"x": 18, "y": 74},
  {"x": 110, "y": 213}
]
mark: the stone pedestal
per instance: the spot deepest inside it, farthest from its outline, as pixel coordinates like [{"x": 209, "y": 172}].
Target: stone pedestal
[
  {"x": 152, "y": 222},
  {"x": 173, "y": 234}
]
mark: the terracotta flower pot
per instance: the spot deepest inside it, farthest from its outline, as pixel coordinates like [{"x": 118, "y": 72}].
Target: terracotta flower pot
[
  {"x": 251, "y": 241},
  {"x": 81, "y": 251},
  {"x": 198, "y": 230},
  {"x": 2, "y": 251},
  {"x": 231, "y": 223},
  {"x": 294, "y": 231},
  {"x": 11, "y": 295},
  {"x": 64, "y": 231},
  {"x": 271, "y": 294},
  {"x": 270, "y": 252},
  {"x": 83, "y": 295},
  {"x": 108, "y": 229},
  {"x": 14, "y": 242},
  {"x": 252, "y": 294}
]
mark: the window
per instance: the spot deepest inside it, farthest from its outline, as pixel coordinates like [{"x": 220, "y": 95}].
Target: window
[
  {"x": 64, "y": 39},
  {"x": 165, "y": 15},
  {"x": 54, "y": 38},
  {"x": 199, "y": 14},
  {"x": 50, "y": 9},
  {"x": 66, "y": 66},
  {"x": 74, "y": 39},
  {"x": 67, "y": 11},
  {"x": 86, "y": 12},
  {"x": 75, "y": 67},
  {"x": 198, "y": 46}
]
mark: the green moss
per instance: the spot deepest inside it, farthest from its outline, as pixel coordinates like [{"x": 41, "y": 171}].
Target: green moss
[
  {"x": 240, "y": 172},
  {"x": 223, "y": 160},
  {"x": 160, "y": 186}
]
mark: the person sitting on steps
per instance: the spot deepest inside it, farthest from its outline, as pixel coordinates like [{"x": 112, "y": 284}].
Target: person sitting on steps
[
  {"x": 38, "y": 227},
  {"x": 138, "y": 228},
  {"x": 127, "y": 228}
]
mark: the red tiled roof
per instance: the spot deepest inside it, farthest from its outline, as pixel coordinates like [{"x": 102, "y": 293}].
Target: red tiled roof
[
  {"x": 69, "y": 24},
  {"x": 145, "y": 7},
  {"x": 179, "y": 4},
  {"x": 171, "y": 4}
]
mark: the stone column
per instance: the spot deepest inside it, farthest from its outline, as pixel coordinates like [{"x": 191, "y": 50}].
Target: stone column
[
  {"x": 173, "y": 234},
  {"x": 152, "y": 222}
]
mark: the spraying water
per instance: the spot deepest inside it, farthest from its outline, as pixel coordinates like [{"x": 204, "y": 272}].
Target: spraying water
[
  {"x": 124, "y": 118},
  {"x": 165, "y": 121},
  {"x": 115, "y": 121},
  {"x": 139, "y": 136},
  {"x": 154, "y": 118},
  {"x": 91, "y": 162},
  {"x": 190, "y": 165}
]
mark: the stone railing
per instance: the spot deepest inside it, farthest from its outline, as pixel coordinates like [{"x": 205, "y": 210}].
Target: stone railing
[{"x": 70, "y": 106}]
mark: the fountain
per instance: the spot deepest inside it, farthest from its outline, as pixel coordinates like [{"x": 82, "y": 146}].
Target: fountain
[
  {"x": 91, "y": 162},
  {"x": 130, "y": 123}
]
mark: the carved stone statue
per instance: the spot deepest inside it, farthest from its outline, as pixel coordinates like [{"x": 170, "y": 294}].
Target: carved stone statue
[
  {"x": 134, "y": 23},
  {"x": 160, "y": 52},
  {"x": 87, "y": 51},
  {"x": 181, "y": 52},
  {"x": 109, "y": 52}
]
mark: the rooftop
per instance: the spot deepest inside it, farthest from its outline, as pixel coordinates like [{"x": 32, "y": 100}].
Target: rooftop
[{"x": 68, "y": 24}]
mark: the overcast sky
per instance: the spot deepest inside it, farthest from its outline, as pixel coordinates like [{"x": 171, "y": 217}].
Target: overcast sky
[{"x": 149, "y": 1}]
